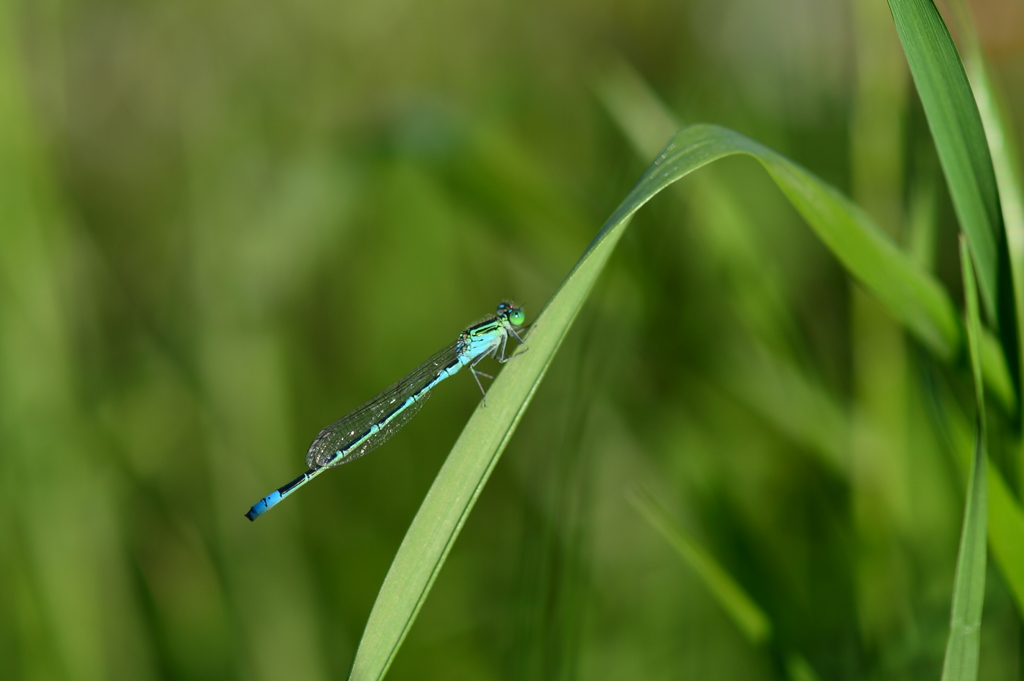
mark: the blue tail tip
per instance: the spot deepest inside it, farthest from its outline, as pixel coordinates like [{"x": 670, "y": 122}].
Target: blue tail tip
[{"x": 263, "y": 505}]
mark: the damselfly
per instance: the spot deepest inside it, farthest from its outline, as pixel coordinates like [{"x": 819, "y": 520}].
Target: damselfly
[{"x": 373, "y": 423}]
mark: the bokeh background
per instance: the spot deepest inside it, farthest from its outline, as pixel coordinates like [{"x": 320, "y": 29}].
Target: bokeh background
[{"x": 224, "y": 224}]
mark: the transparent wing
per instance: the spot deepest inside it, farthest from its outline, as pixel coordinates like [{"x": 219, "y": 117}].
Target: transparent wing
[{"x": 344, "y": 440}]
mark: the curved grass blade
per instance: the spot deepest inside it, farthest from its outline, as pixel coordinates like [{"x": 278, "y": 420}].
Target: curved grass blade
[
  {"x": 915, "y": 298},
  {"x": 964, "y": 643},
  {"x": 762, "y": 373},
  {"x": 959, "y": 137},
  {"x": 1002, "y": 143},
  {"x": 638, "y": 112}
]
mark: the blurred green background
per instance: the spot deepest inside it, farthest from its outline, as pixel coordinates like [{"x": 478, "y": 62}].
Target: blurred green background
[{"x": 225, "y": 224}]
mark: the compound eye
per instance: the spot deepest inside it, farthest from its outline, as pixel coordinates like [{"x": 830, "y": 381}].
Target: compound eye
[{"x": 517, "y": 317}]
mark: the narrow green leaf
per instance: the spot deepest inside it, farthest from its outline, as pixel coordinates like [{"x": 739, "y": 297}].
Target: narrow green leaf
[
  {"x": 737, "y": 604},
  {"x": 964, "y": 643},
  {"x": 913, "y": 296},
  {"x": 640, "y": 114},
  {"x": 1002, "y": 143},
  {"x": 963, "y": 153},
  {"x": 764, "y": 378}
]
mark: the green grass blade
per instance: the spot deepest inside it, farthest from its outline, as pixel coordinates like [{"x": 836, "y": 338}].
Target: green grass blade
[
  {"x": 959, "y": 137},
  {"x": 963, "y": 646},
  {"x": 641, "y": 115},
  {"x": 737, "y": 604},
  {"x": 912, "y": 296},
  {"x": 760, "y": 373},
  {"x": 1002, "y": 143}
]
